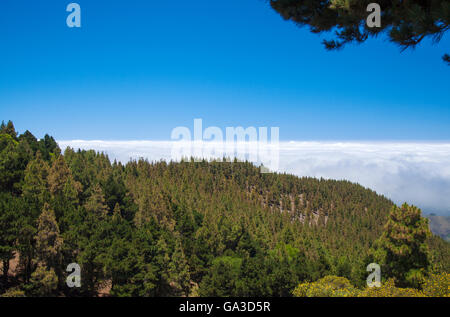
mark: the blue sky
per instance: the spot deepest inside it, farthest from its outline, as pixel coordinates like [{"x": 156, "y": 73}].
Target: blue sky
[{"x": 137, "y": 69}]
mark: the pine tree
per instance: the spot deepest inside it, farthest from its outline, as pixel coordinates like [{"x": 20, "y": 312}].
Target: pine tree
[
  {"x": 117, "y": 215},
  {"x": 10, "y": 208},
  {"x": 49, "y": 147},
  {"x": 179, "y": 272},
  {"x": 402, "y": 248},
  {"x": 58, "y": 175},
  {"x": 97, "y": 237},
  {"x": 31, "y": 140},
  {"x": 96, "y": 204},
  {"x": 8, "y": 129},
  {"x": 35, "y": 194},
  {"x": 48, "y": 240},
  {"x": 34, "y": 189},
  {"x": 43, "y": 282},
  {"x": 10, "y": 164}
]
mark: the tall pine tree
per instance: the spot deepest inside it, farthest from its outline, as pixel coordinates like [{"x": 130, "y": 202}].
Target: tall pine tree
[{"x": 402, "y": 248}]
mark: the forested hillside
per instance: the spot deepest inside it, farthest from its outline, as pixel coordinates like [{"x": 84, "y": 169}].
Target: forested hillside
[{"x": 178, "y": 229}]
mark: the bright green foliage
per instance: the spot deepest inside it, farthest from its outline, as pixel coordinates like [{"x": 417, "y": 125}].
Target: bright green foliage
[
  {"x": 407, "y": 23},
  {"x": 329, "y": 286},
  {"x": 402, "y": 248},
  {"x": 222, "y": 278}
]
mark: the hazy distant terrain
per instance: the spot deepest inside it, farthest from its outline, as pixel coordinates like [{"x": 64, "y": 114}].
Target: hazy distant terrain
[{"x": 440, "y": 225}]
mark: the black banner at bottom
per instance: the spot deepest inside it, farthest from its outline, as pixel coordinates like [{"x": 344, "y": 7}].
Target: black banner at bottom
[{"x": 222, "y": 306}]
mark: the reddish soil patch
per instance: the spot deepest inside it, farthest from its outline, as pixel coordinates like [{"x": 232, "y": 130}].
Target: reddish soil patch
[
  {"x": 105, "y": 289},
  {"x": 13, "y": 264}
]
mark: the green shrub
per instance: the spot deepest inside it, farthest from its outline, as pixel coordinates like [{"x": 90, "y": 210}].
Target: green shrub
[
  {"x": 437, "y": 285},
  {"x": 329, "y": 286},
  {"x": 13, "y": 292},
  {"x": 389, "y": 289}
]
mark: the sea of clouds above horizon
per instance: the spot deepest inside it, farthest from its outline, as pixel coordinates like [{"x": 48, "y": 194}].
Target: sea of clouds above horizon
[{"x": 417, "y": 173}]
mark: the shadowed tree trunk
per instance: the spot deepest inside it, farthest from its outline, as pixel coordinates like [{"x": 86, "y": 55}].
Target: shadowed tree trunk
[{"x": 5, "y": 271}]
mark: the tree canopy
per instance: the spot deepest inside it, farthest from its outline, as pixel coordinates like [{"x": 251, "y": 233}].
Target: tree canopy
[{"x": 216, "y": 228}]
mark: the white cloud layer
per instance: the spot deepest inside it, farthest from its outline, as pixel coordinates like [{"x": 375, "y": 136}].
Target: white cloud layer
[{"x": 418, "y": 173}]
